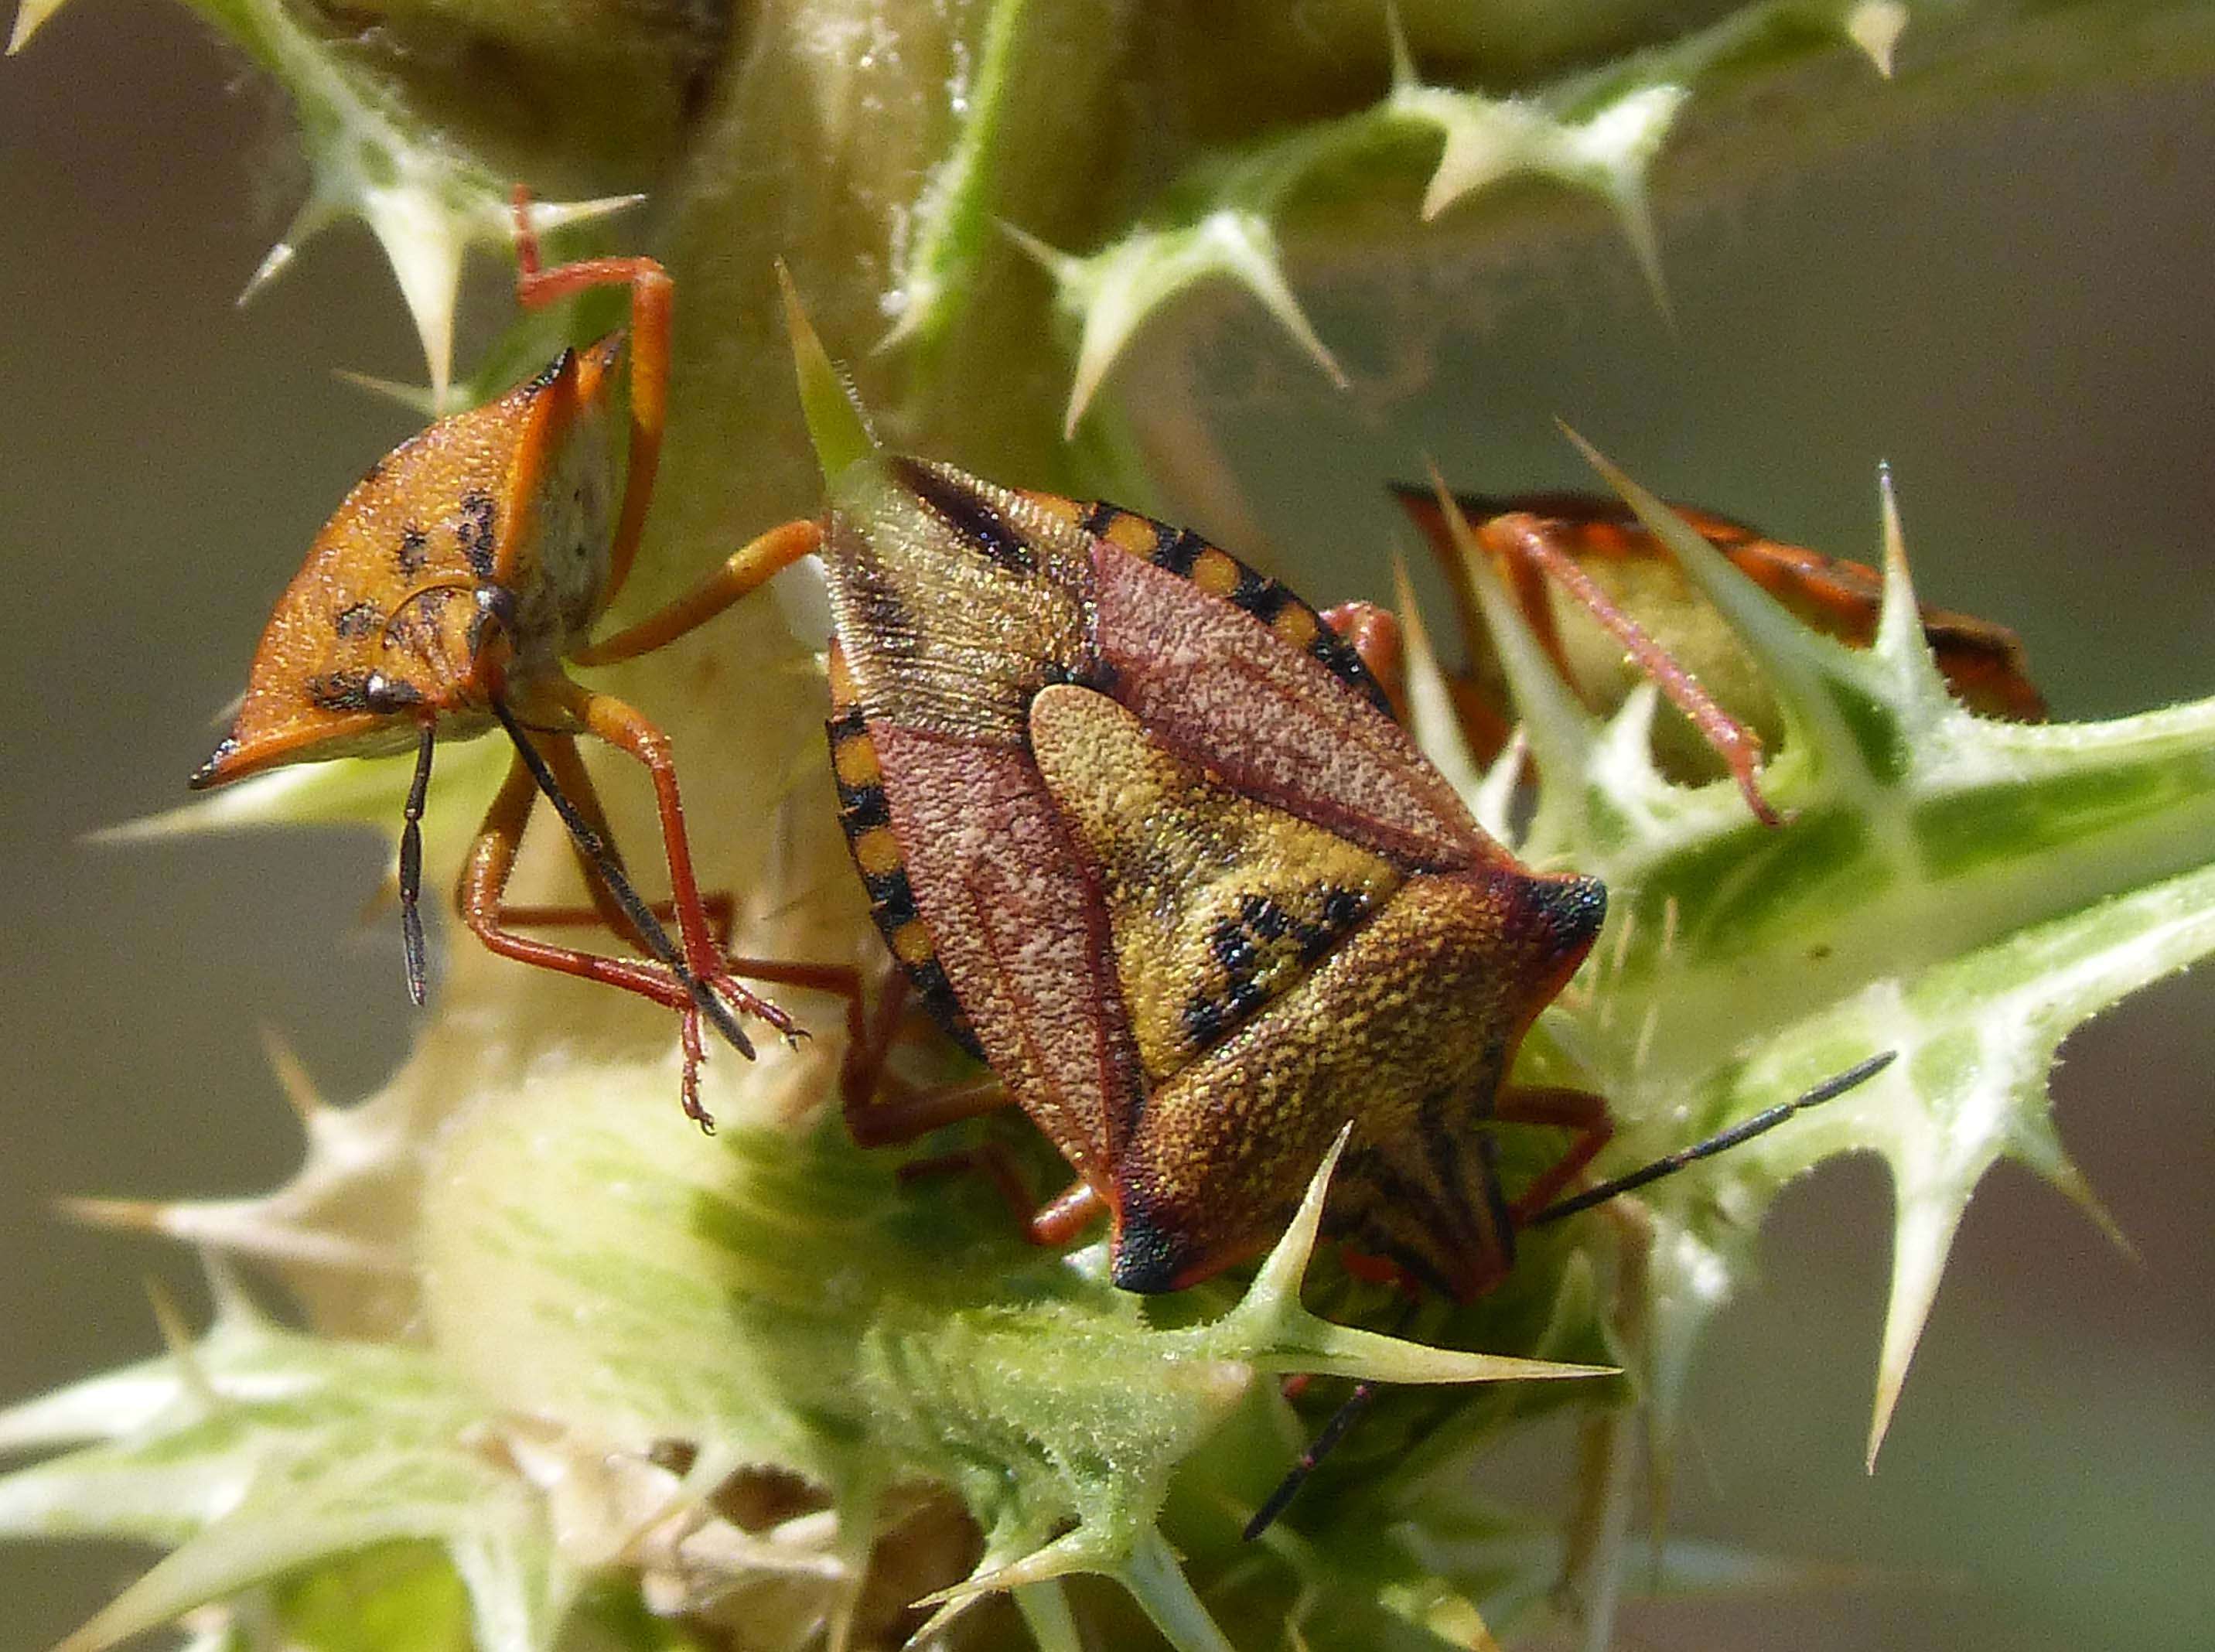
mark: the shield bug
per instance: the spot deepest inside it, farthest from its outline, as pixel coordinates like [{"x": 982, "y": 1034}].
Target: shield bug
[
  {"x": 1569, "y": 558},
  {"x": 1140, "y": 829},
  {"x": 1141, "y": 832},
  {"x": 442, "y": 598}
]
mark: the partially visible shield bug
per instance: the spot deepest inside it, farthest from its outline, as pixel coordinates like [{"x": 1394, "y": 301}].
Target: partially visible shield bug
[{"x": 1543, "y": 542}]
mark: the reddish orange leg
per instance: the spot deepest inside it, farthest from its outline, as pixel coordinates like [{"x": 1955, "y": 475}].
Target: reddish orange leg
[
  {"x": 1374, "y": 635},
  {"x": 484, "y": 878},
  {"x": 722, "y": 914},
  {"x": 709, "y": 996},
  {"x": 1567, "y": 1110},
  {"x": 881, "y": 1111},
  {"x": 1067, "y": 1215},
  {"x": 561, "y": 756},
  {"x": 750, "y": 568},
  {"x": 1050, "y": 1225},
  {"x": 869, "y": 1038},
  {"x": 651, "y": 293},
  {"x": 622, "y": 727},
  {"x": 881, "y": 1108},
  {"x": 1520, "y": 540}
]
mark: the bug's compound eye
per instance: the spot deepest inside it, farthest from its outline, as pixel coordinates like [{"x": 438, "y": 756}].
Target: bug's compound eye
[
  {"x": 495, "y": 609},
  {"x": 382, "y": 693}
]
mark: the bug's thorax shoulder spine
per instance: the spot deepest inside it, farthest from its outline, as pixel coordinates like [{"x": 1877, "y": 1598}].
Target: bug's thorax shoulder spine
[
  {"x": 553, "y": 558},
  {"x": 956, "y": 599}
]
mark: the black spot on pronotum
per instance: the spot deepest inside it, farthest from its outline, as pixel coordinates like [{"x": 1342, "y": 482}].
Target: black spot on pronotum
[
  {"x": 339, "y": 690},
  {"x": 974, "y": 517},
  {"x": 359, "y": 620},
  {"x": 414, "y": 552},
  {"x": 474, "y": 533}
]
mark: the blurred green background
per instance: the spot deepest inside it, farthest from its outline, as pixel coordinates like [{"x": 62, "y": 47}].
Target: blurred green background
[{"x": 2015, "y": 310}]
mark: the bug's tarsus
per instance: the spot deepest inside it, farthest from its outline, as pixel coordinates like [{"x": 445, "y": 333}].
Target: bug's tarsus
[
  {"x": 1745, "y": 1130},
  {"x": 411, "y": 865},
  {"x": 526, "y": 238},
  {"x": 689, "y": 1085},
  {"x": 595, "y": 849}
]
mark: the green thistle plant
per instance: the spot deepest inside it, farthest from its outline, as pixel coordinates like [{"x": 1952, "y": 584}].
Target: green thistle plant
[{"x": 574, "y": 1376}]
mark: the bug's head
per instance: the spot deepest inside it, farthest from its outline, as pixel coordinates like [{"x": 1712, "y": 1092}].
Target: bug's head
[
  {"x": 436, "y": 655},
  {"x": 470, "y": 557}
]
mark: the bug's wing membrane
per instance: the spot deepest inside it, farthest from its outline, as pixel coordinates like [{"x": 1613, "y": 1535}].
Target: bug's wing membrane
[
  {"x": 955, "y": 603},
  {"x": 1217, "y": 685}
]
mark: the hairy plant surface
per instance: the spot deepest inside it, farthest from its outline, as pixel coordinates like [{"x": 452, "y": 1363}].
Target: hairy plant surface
[{"x": 572, "y": 1374}]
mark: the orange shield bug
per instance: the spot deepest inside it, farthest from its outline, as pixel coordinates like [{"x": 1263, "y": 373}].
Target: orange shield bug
[
  {"x": 442, "y": 598},
  {"x": 1571, "y": 560}
]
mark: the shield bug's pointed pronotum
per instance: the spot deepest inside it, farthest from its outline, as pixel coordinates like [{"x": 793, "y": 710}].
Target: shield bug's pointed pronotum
[
  {"x": 1581, "y": 567},
  {"x": 442, "y": 599}
]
